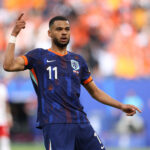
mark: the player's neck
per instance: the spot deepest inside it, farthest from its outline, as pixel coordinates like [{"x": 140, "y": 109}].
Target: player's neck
[{"x": 59, "y": 50}]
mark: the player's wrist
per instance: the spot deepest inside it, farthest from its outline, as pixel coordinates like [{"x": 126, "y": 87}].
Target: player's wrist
[
  {"x": 124, "y": 107},
  {"x": 12, "y": 39},
  {"x": 121, "y": 107},
  {"x": 14, "y": 34}
]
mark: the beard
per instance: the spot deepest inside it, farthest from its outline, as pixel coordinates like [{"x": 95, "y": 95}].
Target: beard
[{"x": 60, "y": 45}]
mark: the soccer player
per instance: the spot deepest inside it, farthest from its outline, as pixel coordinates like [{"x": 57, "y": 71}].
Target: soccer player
[{"x": 56, "y": 75}]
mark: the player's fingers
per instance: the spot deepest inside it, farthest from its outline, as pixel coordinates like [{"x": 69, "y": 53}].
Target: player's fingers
[
  {"x": 20, "y": 16},
  {"x": 131, "y": 114},
  {"x": 21, "y": 21},
  {"x": 21, "y": 25},
  {"x": 136, "y": 108}
]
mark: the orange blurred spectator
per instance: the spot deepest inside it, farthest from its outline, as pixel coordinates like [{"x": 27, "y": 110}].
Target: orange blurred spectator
[
  {"x": 125, "y": 67},
  {"x": 2, "y": 38},
  {"x": 23, "y": 4},
  {"x": 114, "y": 4},
  {"x": 139, "y": 18}
]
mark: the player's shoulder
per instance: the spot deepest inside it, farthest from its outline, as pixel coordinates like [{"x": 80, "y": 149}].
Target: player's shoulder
[
  {"x": 75, "y": 56},
  {"x": 35, "y": 52}
]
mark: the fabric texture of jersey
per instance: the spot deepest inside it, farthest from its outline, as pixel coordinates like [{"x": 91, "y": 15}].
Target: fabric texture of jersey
[{"x": 57, "y": 79}]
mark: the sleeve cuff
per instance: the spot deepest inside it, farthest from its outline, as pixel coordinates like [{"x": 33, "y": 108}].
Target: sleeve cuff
[
  {"x": 87, "y": 80},
  {"x": 25, "y": 60}
]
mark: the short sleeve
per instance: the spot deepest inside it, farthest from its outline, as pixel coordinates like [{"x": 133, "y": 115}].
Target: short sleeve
[
  {"x": 30, "y": 59},
  {"x": 85, "y": 73}
]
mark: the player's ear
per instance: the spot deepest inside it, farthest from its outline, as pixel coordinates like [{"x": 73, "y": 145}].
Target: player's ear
[{"x": 49, "y": 33}]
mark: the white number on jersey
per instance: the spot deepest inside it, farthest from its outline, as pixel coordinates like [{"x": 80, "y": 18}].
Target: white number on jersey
[{"x": 50, "y": 69}]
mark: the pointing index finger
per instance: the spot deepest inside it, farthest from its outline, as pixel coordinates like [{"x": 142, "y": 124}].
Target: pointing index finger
[
  {"x": 137, "y": 109},
  {"x": 20, "y": 16}
]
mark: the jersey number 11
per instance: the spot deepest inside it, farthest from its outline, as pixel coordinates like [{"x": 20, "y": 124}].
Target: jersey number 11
[{"x": 50, "y": 69}]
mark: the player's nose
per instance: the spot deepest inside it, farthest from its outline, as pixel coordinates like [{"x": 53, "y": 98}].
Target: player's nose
[{"x": 64, "y": 32}]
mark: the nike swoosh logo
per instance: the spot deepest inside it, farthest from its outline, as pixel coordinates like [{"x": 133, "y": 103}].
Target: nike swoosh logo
[
  {"x": 48, "y": 61},
  {"x": 102, "y": 147}
]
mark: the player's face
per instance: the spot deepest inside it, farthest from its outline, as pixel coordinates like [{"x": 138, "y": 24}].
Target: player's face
[{"x": 60, "y": 33}]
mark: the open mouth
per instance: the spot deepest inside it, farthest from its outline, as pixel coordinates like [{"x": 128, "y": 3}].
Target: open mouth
[{"x": 64, "y": 39}]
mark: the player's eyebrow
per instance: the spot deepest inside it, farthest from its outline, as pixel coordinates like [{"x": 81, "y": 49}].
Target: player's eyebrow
[{"x": 60, "y": 28}]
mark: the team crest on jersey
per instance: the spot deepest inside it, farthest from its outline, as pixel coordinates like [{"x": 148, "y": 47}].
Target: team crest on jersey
[{"x": 75, "y": 64}]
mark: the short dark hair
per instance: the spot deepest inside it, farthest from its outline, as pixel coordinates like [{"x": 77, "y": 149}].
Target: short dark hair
[{"x": 57, "y": 18}]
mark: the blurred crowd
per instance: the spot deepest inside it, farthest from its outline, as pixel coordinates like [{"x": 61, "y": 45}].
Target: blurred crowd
[{"x": 112, "y": 35}]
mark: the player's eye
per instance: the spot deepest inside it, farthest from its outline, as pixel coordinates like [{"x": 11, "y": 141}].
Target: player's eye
[
  {"x": 59, "y": 29},
  {"x": 67, "y": 29}
]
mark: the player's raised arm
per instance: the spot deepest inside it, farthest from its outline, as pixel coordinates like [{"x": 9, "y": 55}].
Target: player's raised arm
[
  {"x": 10, "y": 62},
  {"x": 102, "y": 97}
]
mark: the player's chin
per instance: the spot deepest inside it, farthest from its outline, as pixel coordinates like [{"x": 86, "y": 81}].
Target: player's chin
[{"x": 63, "y": 43}]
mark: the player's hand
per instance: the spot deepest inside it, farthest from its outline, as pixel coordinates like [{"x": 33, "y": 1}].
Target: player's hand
[
  {"x": 20, "y": 24},
  {"x": 130, "y": 110}
]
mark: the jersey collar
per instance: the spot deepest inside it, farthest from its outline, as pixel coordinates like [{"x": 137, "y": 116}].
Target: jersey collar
[{"x": 57, "y": 52}]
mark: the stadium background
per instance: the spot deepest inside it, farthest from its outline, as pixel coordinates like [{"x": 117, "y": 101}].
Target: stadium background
[{"x": 113, "y": 36}]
